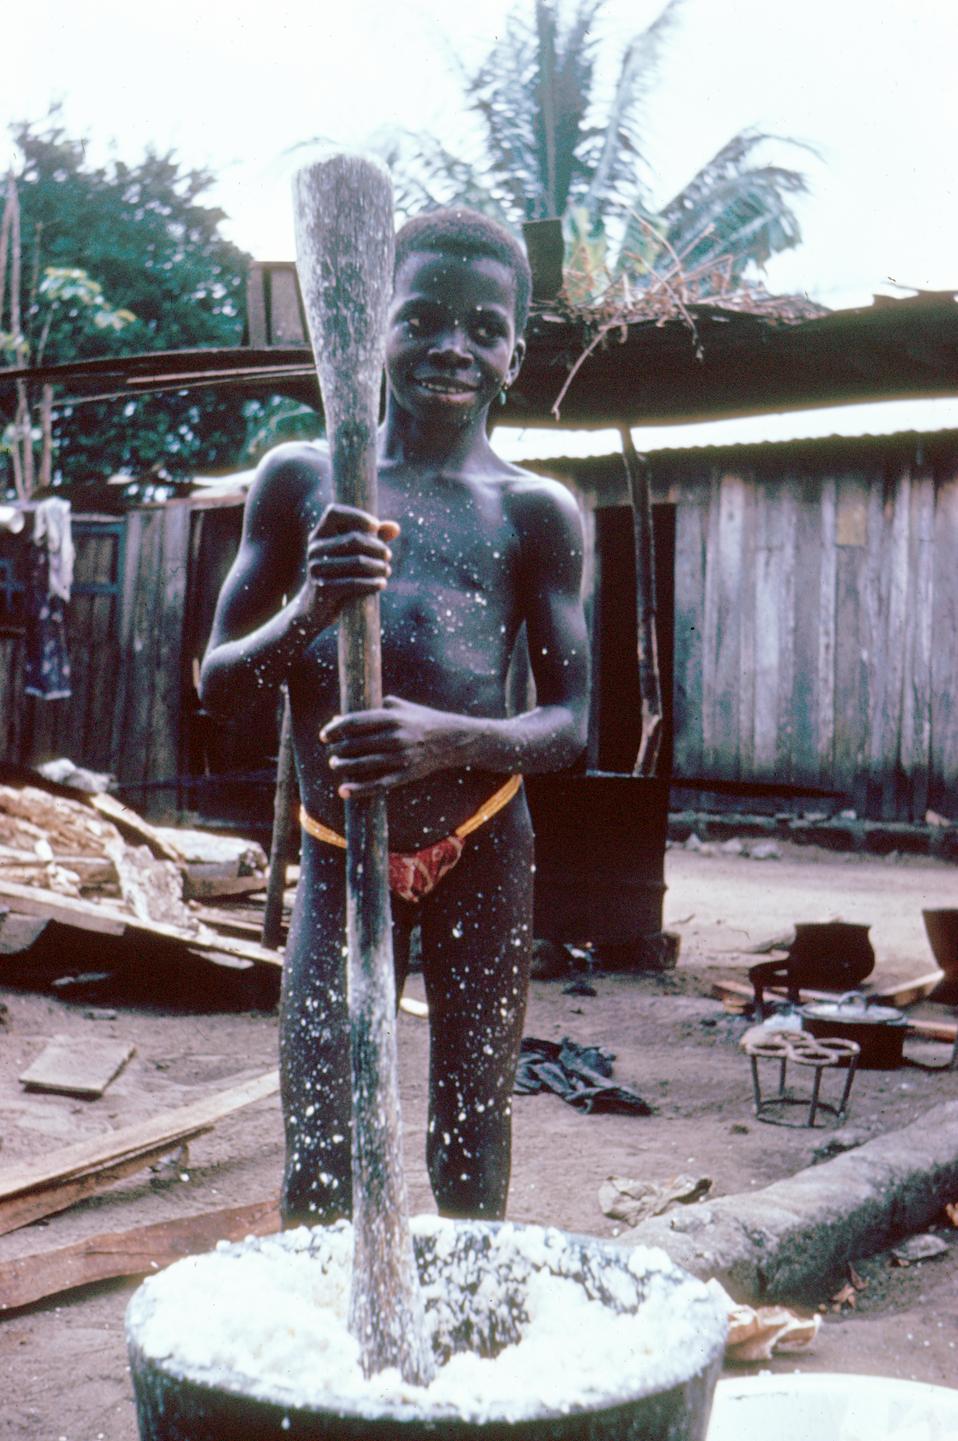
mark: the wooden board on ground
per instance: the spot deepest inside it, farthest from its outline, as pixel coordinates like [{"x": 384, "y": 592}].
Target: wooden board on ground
[
  {"x": 18, "y": 933},
  {"x": 31, "y": 1189},
  {"x": 136, "y": 1252},
  {"x": 736, "y": 994},
  {"x": 108, "y": 920},
  {"x": 203, "y": 881},
  {"x": 127, "y": 820},
  {"x": 77, "y": 1066}
]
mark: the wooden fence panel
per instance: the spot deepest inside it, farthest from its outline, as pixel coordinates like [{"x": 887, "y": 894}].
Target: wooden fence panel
[
  {"x": 851, "y": 635},
  {"x": 826, "y": 678},
  {"x": 772, "y": 667},
  {"x": 723, "y": 610},
  {"x": 915, "y": 744},
  {"x": 944, "y": 685},
  {"x": 747, "y": 632},
  {"x": 146, "y": 734},
  {"x": 691, "y": 523},
  {"x": 811, "y": 618},
  {"x": 79, "y": 726},
  {"x": 896, "y": 550}
]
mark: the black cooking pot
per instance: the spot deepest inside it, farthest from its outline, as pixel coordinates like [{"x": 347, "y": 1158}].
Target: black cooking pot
[{"x": 879, "y": 1031}]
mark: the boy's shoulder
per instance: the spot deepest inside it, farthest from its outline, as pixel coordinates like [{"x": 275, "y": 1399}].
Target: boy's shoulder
[
  {"x": 294, "y": 458},
  {"x": 291, "y": 483},
  {"x": 295, "y": 467},
  {"x": 537, "y": 493}
]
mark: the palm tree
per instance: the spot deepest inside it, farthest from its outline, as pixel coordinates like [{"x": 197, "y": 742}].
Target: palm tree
[{"x": 549, "y": 150}]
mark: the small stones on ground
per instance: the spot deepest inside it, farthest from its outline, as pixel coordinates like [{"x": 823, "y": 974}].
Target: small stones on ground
[
  {"x": 925, "y": 1247},
  {"x": 579, "y": 987},
  {"x": 847, "y": 1139},
  {"x": 765, "y": 851}
]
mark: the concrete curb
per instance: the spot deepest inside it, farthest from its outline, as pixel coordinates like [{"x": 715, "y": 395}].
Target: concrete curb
[
  {"x": 792, "y": 1240},
  {"x": 834, "y": 833}
]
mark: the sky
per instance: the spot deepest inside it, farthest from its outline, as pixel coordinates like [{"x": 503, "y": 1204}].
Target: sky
[{"x": 241, "y": 88}]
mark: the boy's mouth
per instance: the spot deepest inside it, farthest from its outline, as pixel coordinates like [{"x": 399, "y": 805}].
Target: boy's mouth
[{"x": 444, "y": 385}]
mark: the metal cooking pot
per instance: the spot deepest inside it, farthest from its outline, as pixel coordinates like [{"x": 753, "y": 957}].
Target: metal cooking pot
[{"x": 878, "y": 1030}]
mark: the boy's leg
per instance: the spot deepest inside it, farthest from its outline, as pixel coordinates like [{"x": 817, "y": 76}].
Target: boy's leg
[
  {"x": 476, "y": 947},
  {"x": 315, "y": 1071}
]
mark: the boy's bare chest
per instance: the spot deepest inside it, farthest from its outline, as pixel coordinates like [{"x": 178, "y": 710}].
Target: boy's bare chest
[
  {"x": 459, "y": 539},
  {"x": 451, "y": 604}
]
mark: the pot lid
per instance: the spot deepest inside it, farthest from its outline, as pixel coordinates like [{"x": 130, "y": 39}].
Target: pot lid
[{"x": 853, "y": 1009}]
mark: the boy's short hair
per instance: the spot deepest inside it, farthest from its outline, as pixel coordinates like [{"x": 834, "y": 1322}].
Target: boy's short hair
[{"x": 468, "y": 232}]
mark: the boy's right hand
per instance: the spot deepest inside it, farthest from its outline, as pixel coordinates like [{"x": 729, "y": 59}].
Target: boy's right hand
[{"x": 347, "y": 556}]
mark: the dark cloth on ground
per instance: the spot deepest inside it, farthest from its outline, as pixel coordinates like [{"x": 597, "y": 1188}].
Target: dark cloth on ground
[{"x": 579, "y": 1074}]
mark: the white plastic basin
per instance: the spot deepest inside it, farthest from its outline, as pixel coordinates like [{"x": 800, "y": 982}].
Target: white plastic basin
[{"x": 832, "y": 1407}]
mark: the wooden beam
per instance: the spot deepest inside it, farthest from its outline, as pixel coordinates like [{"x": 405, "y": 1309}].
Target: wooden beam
[
  {"x": 735, "y": 992},
  {"x": 77, "y": 1066},
  {"x": 36, "y": 1188},
  {"x": 107, "y": 920},
  {"x": 136, "y": 1252}
]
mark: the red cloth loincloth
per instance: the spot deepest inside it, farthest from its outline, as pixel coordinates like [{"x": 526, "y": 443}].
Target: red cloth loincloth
[{"x": 413, "y": 874}]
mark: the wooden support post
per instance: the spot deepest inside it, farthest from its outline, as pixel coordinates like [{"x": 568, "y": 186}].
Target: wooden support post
[
  {"x": 650, "y": 685},
  {"x": 283, "y": 801}
]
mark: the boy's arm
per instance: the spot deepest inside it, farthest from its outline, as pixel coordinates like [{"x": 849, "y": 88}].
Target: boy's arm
[
  {"x": 256, "y": 633},
  {"x": 412, "y": 741}
]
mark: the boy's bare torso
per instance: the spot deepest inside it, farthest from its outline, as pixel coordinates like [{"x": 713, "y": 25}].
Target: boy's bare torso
[{"x": 450, "y": 616}]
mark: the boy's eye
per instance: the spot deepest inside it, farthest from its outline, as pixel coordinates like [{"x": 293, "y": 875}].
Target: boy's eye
[{"x": 487, "y": 330}]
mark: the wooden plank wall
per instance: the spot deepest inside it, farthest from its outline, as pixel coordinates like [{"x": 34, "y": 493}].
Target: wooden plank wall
[
  {"x": 79, "y": 727},
  {"x": 817, "y": 620},
  {"x": 142, "y": 603},
  {"x": 816, "y": 627}
]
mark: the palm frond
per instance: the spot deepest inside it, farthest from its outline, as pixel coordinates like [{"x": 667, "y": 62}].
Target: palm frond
[
  {"x": 566, "y": 64},
  {"x": 616, "y": 160},
  {"x": 735, "y": 207},
  {"x": 502, "y": 93}
]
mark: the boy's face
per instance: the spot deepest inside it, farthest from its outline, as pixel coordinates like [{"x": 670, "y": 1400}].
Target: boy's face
[{"x": 451, "y": 340}]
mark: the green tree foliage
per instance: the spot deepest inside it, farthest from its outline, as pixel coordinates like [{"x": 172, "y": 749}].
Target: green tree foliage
[
  {"x": 552, "y": 146},
  {"x": 164, "y": 278}
]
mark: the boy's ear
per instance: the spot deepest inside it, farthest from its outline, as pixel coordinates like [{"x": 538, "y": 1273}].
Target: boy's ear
[{"x": 518, "y": 356}]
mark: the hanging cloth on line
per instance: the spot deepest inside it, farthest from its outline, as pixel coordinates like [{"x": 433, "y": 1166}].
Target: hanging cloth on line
[{"x": 49, "y": 582}]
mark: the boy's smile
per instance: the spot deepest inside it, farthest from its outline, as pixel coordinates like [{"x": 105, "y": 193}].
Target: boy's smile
[{"x": 451, "y": 343}]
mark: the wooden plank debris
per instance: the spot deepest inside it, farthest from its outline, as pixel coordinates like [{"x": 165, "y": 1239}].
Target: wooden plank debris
[
  {"x": 127, "y": 820},
  {"x": 77, "y": 1066},
  {"x": 40, "y": 1188},
  {"x": 23, "y": 1210},
  {"x": 216, "y": 865},
  {"x": 736, "y": 993},
  {"x": 136, "y": 1252},
  {"x": 96, "y": 916}
]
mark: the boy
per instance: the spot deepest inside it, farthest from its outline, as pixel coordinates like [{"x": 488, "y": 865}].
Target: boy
[{"x": 474, "y": 548}]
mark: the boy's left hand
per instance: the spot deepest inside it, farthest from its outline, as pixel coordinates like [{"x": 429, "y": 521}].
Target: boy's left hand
[{"x": 373, "y": 750}]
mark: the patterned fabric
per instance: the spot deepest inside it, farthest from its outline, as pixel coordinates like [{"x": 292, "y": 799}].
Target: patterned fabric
[
  {"x": 46, "y": 664},
  {"x": 414, "y": 874}
]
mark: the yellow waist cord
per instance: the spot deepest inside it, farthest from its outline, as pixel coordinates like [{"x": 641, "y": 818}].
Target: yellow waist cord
[{"x": 486, "y": 811}]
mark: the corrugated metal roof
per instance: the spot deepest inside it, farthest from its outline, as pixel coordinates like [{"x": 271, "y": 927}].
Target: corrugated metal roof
[{"x": 900, "y": 417}]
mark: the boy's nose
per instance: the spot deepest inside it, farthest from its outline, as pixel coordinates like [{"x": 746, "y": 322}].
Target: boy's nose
[{"x": 450, "y": 348}]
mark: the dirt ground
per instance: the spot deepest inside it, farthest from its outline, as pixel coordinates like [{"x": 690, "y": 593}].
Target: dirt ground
[{"x": 63, "y": 1361}]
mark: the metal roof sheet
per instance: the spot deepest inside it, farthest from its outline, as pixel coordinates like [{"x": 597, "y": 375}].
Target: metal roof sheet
[{"x": 900, "y": 417}]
